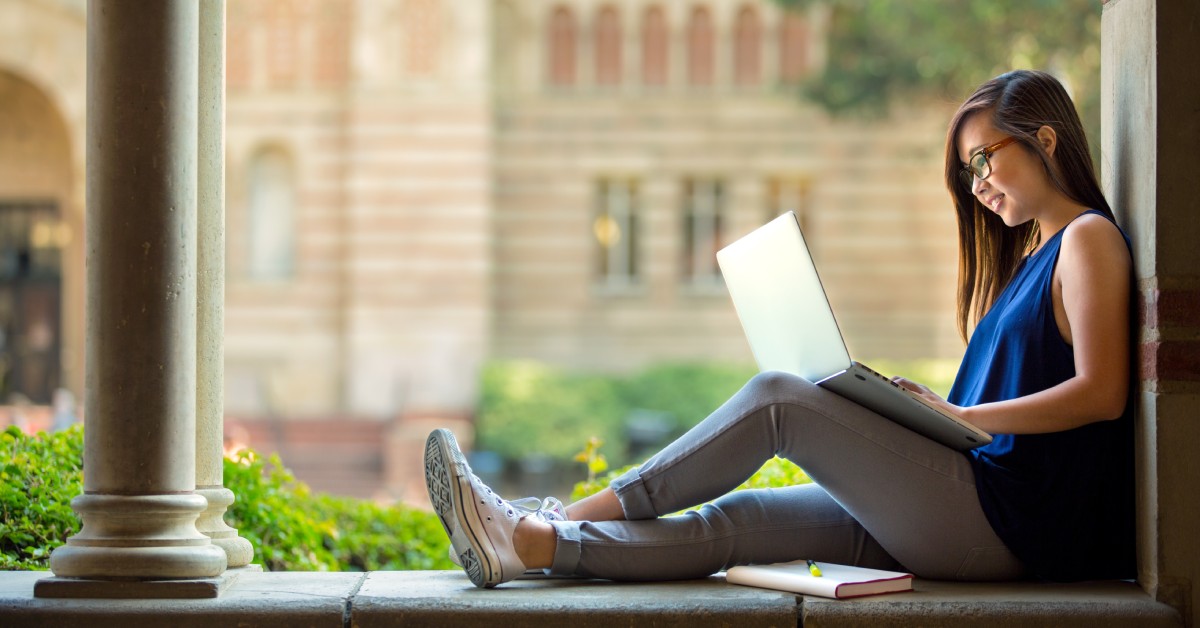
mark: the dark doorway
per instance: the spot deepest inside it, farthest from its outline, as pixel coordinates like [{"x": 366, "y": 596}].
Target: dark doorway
[{"x": 31, "y": 240}]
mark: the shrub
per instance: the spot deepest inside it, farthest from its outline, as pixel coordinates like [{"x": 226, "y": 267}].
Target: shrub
[
  {"x": 290, "y": 527},
  {"x": 294, "y": 529},
  {"x": 686, "y": 392},
  {"x": 529, "y": 408},
  {"x": 776, "y": 473},
  {"x": 39, "y": 477}
]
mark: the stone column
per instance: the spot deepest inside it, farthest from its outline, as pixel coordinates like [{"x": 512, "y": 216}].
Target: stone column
[
  {"x": 210, "y": 286},
  {"x": 139, "y": 506},
  {"x": 1151, "y": 128}
]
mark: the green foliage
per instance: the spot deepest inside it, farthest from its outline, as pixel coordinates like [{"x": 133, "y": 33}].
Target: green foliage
[
  {"x": 687, "y": 392},
  {"x": 595, "y": 484},
  {"x": 776, "y": 473},
  {"x": 527, "y": 407},
  {"x": 592, "y": 458},
  {"x": 39, "y": 477},
  {"x": 293, "y": 529},
  {"x": 290, "y": 527},
  {"x": 370, "y": 537},
  {"x": 882, "y": 52}
]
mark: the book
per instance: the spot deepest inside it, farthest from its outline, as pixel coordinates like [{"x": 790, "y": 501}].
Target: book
[{"x": 835, "y": 581}]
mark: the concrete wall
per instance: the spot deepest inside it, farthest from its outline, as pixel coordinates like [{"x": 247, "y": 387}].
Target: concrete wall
[{"x": 1151, "y": 130}]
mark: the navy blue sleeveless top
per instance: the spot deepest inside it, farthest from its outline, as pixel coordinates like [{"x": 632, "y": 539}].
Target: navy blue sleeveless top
[{"x": 1062, "y": 502}]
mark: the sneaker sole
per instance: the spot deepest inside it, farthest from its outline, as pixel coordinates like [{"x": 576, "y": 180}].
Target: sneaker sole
[{"x": 445, "y": 478}]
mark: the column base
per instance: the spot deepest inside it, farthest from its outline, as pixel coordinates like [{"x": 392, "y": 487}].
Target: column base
[
  {"x": 138, "y": 537},
  {"x": 238, "y": 551},
  {"x": 78, "y": 588}
]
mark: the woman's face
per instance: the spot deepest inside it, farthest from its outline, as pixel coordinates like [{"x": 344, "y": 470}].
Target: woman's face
[{"x": 1016, "y": 188}]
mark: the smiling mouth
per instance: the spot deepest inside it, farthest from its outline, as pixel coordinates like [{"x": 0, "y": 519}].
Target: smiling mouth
[{"x": 994, "y": 202}]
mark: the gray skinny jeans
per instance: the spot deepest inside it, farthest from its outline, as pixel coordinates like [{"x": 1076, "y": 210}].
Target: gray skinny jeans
[{"x": 882, "y": 497}]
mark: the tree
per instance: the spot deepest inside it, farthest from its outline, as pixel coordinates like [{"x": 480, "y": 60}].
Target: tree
[{"x": 881, "y": 52}]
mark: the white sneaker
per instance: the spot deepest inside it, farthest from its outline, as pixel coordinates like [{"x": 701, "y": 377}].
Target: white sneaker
[
  {"x": 548, "y": 509},
  {"x": 479, "y": 523}
]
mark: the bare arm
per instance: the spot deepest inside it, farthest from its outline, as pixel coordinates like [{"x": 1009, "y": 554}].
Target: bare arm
[{"x": 1092, "y": 308}]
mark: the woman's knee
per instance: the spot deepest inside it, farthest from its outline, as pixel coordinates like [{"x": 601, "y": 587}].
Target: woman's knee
[{"x": 777, "y": 385}]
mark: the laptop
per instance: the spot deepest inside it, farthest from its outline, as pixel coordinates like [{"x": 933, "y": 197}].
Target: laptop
[{"x": 790, "y": 327}]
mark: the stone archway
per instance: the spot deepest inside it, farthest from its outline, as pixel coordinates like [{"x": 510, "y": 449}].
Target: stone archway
[
  {"x": 40, "y": 242},
  {"x": 44, "y": 53}
]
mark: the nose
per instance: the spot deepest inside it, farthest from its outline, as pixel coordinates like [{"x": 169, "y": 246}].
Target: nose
[{"x": 977, "y": 184}]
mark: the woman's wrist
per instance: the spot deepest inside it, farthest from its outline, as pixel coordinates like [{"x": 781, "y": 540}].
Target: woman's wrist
[{"x": 968, "y": 414}]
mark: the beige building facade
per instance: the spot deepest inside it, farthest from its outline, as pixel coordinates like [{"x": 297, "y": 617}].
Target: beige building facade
[{"x": 416, "y": 187}]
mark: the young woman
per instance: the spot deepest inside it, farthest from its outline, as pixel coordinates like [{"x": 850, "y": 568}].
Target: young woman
[{"x": 1045, "y": 281}]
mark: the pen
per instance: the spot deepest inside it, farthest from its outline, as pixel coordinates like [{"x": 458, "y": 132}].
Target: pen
[{"x": 813, "y": 569}]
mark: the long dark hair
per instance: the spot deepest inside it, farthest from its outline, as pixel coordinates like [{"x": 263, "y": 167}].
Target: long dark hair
[{"x": 1020, "y": 103}]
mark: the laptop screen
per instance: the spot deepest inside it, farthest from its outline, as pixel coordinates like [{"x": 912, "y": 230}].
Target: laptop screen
[{"x": 780, "y": 302}]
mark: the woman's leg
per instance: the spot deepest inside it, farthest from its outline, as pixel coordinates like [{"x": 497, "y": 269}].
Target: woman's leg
[
  {"x": 744, "y": 527},
  {"x": 602, "y": 506},
  {"x": 913, "y": 496}
]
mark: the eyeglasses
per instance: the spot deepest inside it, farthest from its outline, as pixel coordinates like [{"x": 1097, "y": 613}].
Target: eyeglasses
[{"x": 980, "y": 165}]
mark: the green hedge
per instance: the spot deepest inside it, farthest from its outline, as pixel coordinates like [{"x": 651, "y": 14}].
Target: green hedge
[
  {"x": 295, "y": 529},
  {"x": 776, "y": 473},
  {"x": 533, "y": 408},
  {"x": 40, "y": 476},
  {"x": 529, "y": 407},
  {"x": 290, "y": 527}
]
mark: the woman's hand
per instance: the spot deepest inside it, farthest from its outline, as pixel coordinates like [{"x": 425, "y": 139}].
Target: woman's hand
[{"x": 931, "y": 397}]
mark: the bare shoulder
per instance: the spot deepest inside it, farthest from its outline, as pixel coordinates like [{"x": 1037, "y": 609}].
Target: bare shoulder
[{"x": 1094, "y": 239}]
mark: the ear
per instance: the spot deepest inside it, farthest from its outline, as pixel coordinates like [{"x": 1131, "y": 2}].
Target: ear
[{"x": 1048, "y": 139}]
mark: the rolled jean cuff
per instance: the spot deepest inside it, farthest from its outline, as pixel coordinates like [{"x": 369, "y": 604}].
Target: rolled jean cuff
[
  {"x": 631, "y": 492},
  {"x": 566, "y": 548}
]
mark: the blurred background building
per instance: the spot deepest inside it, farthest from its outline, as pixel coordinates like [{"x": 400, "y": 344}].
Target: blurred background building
[{"x": 418, "y": 187}]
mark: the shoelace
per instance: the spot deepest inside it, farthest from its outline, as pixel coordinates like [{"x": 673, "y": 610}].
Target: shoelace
[{"x": 549, "y": 509}]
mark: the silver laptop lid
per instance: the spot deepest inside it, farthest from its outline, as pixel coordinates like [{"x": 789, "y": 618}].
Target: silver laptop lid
[{"x": 780, "y": 301}]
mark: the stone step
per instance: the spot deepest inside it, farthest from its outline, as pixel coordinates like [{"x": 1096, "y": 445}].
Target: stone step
[{"x": 446, "y": 598}]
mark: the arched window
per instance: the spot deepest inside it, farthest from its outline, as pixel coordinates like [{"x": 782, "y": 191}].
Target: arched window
[
  {"x": 239, "y": 27},
  {"x": 747, "y": 48},
  {"x": 272, "y": 208},
  {"x": 700, "y": 43},
  {"x": 283, "y": 25},
  {"x": 607, "y": 40},
  {"x": 332, "y": 65},
  {"x": 562, "y": 47},
  {"x": 793, "y": 48},
  {"x": 654, "y": 48},
  {"x": 421, "y": 22}
]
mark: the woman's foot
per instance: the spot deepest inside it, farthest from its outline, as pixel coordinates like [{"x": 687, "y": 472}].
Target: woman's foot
[
  {"x": 546, "y": 510},
  {"x": 479, "y": 523}
]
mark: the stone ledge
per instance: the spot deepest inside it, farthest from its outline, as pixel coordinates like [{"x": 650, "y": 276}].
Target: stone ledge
[
  {"x": 279, "y": 599},
  {"x": 445, "y": 598},
  {"x": 936, "y": 604}
]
